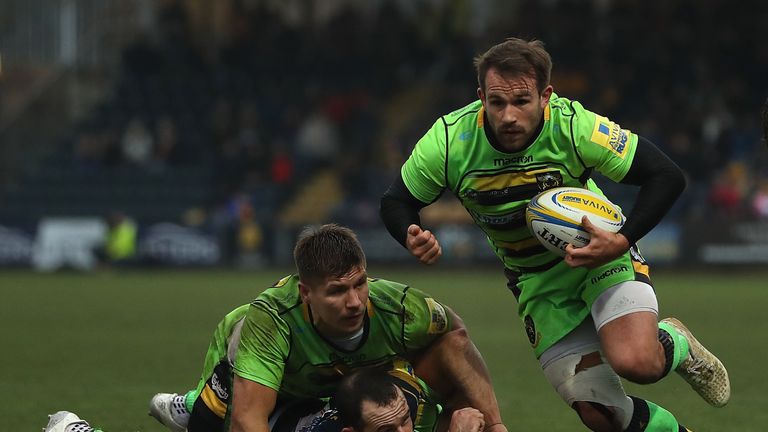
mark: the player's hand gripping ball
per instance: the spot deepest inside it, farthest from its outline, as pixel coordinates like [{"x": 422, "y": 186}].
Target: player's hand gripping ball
[{"x": 554, "y": 217}]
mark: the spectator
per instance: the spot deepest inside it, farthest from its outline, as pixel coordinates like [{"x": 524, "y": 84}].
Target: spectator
[
  {"x": 137, "y": 143},
  {"x": 119, "y": 246}
]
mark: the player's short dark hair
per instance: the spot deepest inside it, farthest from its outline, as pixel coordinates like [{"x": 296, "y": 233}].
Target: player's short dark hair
[
  {"x": 764, "y": 117},
  {"x": 328, "y": 250},
  {"x": 371, "y": 384},
  {"x": 516, "y": 57}
]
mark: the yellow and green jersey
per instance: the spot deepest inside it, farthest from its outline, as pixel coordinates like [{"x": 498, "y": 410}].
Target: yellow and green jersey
[
  {"x": 280, "y": 348},
  {"x": 495, "y": 186}
]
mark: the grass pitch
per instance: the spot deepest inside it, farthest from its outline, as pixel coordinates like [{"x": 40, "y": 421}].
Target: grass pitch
[{"x": 102, "y": 344}]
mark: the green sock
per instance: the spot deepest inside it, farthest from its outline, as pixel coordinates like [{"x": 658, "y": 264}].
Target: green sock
[
  {"x": 675, "y": 345},
  {"x": 189, "y": 399},
  {"x": 649, "y": 417},
  {"x": 661, "y": 420}
]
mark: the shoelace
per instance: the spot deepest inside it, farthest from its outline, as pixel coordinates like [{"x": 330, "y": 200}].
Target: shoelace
[{"x": 700, "y": 370}]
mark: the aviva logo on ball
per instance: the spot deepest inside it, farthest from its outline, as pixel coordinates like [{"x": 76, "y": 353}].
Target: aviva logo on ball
[
  {"x": 554, "y": 217},
  {"x": 589, "y": 204}
]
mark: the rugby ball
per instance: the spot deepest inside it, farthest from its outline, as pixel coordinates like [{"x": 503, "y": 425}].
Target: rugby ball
[{"x": 554, "y": 217}]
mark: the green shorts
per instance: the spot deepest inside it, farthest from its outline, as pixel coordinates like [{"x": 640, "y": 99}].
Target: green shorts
[{"x": 555, "y": 301}]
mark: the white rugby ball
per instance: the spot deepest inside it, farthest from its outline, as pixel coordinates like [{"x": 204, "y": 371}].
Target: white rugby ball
[{"x": 554, "y": 217}]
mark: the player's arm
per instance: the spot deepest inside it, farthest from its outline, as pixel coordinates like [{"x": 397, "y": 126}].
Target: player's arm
[
  {"x": 661, "y": 182},
  {"x": 258, "y": 368},
  {"x": 421, "y": 181},
  {"x": 454, "y": 368},
  {"x": 400, "y": 213},
  {"x": 252, "y": 404}
]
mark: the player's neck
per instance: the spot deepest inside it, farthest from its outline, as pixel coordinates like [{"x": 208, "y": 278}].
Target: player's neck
[{"x": 500, "y": 147}]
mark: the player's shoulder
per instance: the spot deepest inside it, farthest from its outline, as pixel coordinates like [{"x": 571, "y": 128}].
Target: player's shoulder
[
  {"x": 280, "y": 296},
  {"x": 387, "y": 294},
  {"x": 563, "y": 107},
  {"x": 569, "y": 114},
  {"x": 386, "y": 287},
  {"x": 466, "y": 113}
]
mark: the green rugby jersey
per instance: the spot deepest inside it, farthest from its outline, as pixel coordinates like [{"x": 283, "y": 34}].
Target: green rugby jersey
[
  {"x": 280, "y": 348},
  {"x": 496, "y": 186}
]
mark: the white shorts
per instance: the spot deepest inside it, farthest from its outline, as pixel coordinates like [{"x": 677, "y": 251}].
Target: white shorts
[{"x": 575, "y": 366}]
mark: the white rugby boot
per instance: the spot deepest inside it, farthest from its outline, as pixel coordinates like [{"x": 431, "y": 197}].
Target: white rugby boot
[
  {"x": 65, "y": 421},
  {"x": 169, "y": 409},
  {"x": 702, "y": 370}
]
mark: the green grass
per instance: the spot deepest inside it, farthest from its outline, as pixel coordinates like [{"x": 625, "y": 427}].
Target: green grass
[{"x": 102, "y": 344}]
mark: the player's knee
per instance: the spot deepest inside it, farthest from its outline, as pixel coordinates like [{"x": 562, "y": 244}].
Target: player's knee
[
  {"x": 640, "y": 366},
  {"x": 597, "y": 417}
]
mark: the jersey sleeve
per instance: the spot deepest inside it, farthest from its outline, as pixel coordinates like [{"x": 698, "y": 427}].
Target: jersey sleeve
[
  {"x": 424, "y": 171},
  {"x": 263, "y": 348},
  {"x": 603, "y": 144},
  {"x": 425, "y": 319}
]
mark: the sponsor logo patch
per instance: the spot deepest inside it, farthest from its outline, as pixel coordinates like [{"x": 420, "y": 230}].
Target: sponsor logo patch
[
  {"x": 609, "y": 272},
  {"x": 635, "y": 254},
  {"x": 498, "y": 220},
  {"x": 513, "y": 160},
  {"x": 438, "y": 322},
  {"x": 530, "y": 330},
  {"x": 218, "y": 388},
  {"x": 549, "y": 180},
  {"x": 610, "y": 135}
]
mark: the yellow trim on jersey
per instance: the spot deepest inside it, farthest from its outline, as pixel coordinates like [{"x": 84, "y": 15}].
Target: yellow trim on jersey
[
  {"x": 370, "y": 308},
  {"x": 481, "y": 117},
  {"x": 547, "y": 114},
  {"x": 213, "y": 402},
  {"x": 403, "y": 370},
  {"x": 501, "y": 181},
  {"x": 282, "y": 281},
  {"x": 519, "y": 245},
  {"x": 641, "y": 268}
]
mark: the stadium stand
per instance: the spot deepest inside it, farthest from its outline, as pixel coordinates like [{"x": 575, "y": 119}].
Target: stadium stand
[{"x": 205, "y": 108}]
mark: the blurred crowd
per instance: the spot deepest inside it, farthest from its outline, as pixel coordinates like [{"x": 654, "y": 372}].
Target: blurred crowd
[{"x": 277, "y": 100}]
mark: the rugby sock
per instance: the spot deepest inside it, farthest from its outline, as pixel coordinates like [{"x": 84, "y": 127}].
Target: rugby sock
[
  {"x": 649, "y": 417},
  {"x": 675, "y": 347},
  {"x": 189, "y": 400}
]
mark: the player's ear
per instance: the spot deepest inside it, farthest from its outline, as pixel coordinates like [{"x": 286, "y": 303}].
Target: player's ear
[
  {"x": 545, "y": 95},
  {"x": 480, "y": 94},
  {"x": 303, "y": 291}
]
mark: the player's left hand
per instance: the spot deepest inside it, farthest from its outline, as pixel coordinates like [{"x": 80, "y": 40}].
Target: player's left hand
[
  {"x": 603, "y": 246},
  {"x": 467, "y": 420}
]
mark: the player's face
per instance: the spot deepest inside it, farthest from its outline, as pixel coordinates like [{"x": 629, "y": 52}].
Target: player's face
[
  {"x": 514, "y": 107},
  {"x": 338, "y": 303},
  {"x": 395, "y": 417}
]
